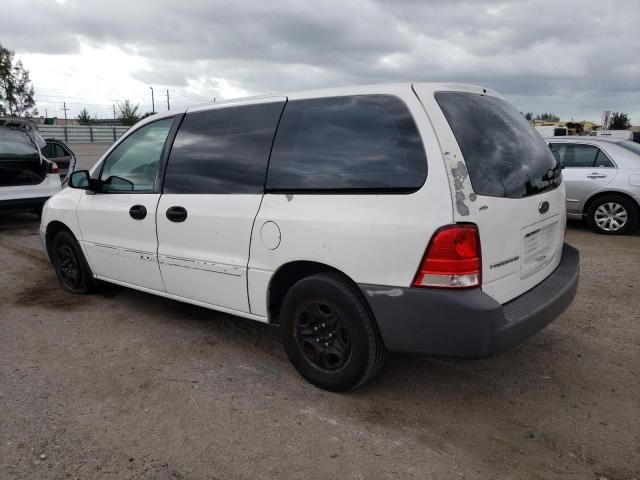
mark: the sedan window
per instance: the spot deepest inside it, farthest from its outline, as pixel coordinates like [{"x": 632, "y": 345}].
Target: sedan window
[
  {"x": 573, "y": 155},
  {"x": 602, "y": 161}
]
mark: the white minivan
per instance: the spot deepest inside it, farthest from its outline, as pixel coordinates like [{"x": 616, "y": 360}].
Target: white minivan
[{"x": 414, "y": 217}]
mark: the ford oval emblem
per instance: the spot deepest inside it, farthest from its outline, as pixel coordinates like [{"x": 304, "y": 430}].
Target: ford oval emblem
[{"x": 543, "y": 207}]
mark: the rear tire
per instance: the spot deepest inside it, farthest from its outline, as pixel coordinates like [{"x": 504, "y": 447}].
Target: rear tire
[
  {"x": 612, "y": 215},
  {"x": 72, "y": 269},
  {"x": 329, "y": 333}
]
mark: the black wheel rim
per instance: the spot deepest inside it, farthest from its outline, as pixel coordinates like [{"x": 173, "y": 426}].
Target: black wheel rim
[
  {"x": 68, "y": 266},
  {"x": 322, "y": 335}
]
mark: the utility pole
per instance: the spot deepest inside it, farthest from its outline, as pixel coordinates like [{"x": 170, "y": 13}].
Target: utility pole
[
  {"x": 153, "y": 103},
  {"x": 114, "y": 114},
  {"x": 64, "y": 107},
  {"x": 168, "y": 106}
]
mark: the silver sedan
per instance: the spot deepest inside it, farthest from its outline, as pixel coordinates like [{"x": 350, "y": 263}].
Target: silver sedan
[{"x": 602, "y": 178}]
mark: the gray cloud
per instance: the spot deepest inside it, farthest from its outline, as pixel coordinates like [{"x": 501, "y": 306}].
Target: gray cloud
[{"x": 573, "y": 57}]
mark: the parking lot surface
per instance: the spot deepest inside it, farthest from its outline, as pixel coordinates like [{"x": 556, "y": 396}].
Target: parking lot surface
[{"x": 122, "y": 384}]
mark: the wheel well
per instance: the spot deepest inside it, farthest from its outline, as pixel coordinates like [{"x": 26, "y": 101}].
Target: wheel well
[
  {"x": 53, "y": 229},
  {"x": 598, "y": 195},
  {"x": 288, "y": 275}
]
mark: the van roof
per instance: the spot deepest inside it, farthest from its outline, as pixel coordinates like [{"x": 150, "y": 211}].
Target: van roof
[
  {"x": 365, "y": 89},
  {"x": 348, "y": 90}
]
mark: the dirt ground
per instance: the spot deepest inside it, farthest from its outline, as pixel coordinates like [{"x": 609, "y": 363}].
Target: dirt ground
[{"x": 125, "y": 385}]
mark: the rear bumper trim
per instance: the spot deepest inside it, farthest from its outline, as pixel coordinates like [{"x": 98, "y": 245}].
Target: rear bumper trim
[{"x": 470, "y": 323}]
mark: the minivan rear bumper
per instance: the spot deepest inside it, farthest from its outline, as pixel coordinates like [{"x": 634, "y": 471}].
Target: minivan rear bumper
[{"x": 470, "y": 323}]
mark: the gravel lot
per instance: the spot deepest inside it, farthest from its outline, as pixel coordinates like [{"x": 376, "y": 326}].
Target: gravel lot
[{"x": 122, "y": 384}]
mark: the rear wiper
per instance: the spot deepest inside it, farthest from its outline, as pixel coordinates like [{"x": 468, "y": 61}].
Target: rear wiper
[{"x": 552, "y": 173}]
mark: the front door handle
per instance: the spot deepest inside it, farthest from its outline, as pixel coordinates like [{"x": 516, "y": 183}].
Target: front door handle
[
  {"x": 596, "y": 175},
  {"x": 138, "y": 212},
  {"x": 177, "y": 214}
]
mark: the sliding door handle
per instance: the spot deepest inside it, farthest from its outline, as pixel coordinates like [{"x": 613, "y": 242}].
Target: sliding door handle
[{"x": 177, "y": 214}]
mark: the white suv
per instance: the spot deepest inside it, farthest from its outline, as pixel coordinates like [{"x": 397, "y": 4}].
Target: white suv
[
  {"x": 27, "y": 178},
  {"x": 422, "y": 218}
]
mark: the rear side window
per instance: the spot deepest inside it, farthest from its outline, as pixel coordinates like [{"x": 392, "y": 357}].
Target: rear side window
[
  {"x": 577, "y": 156},
  {"x": 504, "y": 155},
  {"x": 221, "y": 151},
  {"x": 363, "y": 142}
]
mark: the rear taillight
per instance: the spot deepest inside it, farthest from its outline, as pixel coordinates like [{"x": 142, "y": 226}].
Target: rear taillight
[{"x": 452, "y": 259}]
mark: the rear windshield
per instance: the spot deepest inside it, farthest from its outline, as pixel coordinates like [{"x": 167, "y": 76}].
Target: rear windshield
[
  {"x": 631, "y": 146},
  {"x": 505, "y": 156},
  {"x": 11, "y": 149},
  {"x": 20, "y": 164}
]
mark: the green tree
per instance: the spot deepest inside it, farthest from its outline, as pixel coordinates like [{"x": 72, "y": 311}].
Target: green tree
[
  {"x": 128, "y": 113},
  {"x": 619, "y": 121},
  {"x": 16, "y": 90},
  {"x": 528, "y": 116},
  {"x": 548, "y": 117},
  {"x": 84, "y": 118}
]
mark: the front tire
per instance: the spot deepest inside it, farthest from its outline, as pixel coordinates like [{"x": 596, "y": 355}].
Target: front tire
[
  {"x": 612, "y": 215},
  {"x": 329, "y": 333},
  {"x": 70, "y": 265}
]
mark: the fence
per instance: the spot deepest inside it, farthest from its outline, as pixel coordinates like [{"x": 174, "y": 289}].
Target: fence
[{"x": 82, "y": 133}]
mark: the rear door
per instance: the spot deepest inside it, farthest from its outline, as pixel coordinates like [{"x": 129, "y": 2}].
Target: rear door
[
  {"x": 586, "y": 169},
  {"x": 214, "y": 183},
  {"x": 505, "y": 180},
  {"x": 56, "y": 152}
]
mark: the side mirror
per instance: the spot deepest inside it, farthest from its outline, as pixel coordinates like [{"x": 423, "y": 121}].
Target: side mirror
[
  {"x": 80, "y": 180},
  {"x": 117, "y": 184}
]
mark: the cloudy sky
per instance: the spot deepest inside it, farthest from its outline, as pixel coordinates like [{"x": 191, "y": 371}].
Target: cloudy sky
[{"x": 574, "y": 58}]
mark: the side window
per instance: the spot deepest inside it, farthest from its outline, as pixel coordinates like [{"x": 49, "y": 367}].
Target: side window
[
  {"x": 60, "y": 151},
  {"x": 602, "y": 161},
  {"x": 48, "y": 150},
  {"x": 224, "y": 150},
  {"x": 574, "y": 155},
  {"x": 347, "y": 143},
  {"x": 133, "y": 164}
]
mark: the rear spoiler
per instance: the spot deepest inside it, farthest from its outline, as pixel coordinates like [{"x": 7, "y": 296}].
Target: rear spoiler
[{"x": 24, "y": 126}]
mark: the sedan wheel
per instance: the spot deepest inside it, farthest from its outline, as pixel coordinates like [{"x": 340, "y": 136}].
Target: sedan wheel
[{"x": 611, "y": 216}]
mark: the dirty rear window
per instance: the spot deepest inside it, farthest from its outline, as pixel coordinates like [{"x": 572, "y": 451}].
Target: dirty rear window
[{"x": 504, "y": 155}]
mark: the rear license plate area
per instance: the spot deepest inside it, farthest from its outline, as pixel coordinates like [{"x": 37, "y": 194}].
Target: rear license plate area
[{"x": 539, "y": 246}]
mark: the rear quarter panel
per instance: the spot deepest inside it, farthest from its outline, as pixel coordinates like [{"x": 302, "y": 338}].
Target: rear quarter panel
[{"x": 372, "y": 238}]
